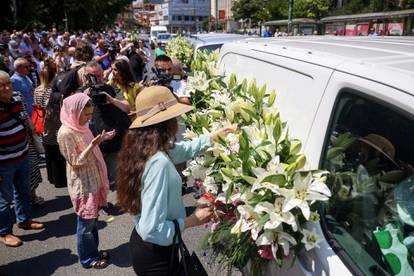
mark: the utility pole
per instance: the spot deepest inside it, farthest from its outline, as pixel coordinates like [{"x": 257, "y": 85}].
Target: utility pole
[
  {"x": 290, "y": 16},
  {"x": 66, "y": 22},
  {"x": 216, "y": 15}
]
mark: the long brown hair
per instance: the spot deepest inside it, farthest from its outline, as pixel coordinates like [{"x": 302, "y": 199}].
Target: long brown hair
[
  {"x": 125, "y": 73},
  {"x": 138, "y": 146}
]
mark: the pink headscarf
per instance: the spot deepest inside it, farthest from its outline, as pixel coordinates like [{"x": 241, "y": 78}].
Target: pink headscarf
[{"x": 69, "y": 116}]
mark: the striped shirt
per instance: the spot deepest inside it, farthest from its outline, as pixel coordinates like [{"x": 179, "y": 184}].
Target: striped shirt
[{"x": 13, "y": 132}]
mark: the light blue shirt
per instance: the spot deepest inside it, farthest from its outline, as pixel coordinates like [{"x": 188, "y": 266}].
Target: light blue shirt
[
  {"x": 24, "y": 85},
  {"x": 161, "y": 199}
]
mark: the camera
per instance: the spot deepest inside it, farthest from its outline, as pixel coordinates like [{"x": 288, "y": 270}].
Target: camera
[
  {"x": 161, "y": 77},
  {"x": 95, "y": 90}
]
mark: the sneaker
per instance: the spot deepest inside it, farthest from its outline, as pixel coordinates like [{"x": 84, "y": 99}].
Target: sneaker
[
  {"x": 31, "y": 225},
  {"x": 11, "y": 240}
]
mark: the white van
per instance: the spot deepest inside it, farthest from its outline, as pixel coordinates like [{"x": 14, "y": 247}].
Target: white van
[
  {"x": 154, "y": 31},
  {"x": 328, "y": 88},
  {"x": 213, "y": 41}
]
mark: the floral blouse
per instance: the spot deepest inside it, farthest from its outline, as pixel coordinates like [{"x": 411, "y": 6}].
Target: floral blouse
[{"x": 85, "y": 185}]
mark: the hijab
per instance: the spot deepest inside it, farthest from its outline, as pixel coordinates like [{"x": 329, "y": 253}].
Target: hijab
[{"x": 69, "y": 116}]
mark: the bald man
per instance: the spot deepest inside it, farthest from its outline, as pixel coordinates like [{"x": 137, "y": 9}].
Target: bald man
[{"x": 14, "y": 164}]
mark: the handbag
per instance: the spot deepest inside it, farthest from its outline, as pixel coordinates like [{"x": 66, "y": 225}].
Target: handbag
[
  {"x": 189, "y": 265},
  {"x": 38, "y": 119}
]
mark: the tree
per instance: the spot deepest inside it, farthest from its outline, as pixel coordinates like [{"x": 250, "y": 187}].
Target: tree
[
  {"x": 85, "y": 14},
  {"x": 311, "y": 8},
  {"x": 256, "y": 10}
]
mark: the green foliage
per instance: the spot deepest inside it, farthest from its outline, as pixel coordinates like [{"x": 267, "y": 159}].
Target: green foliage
[
  {"x": 256, "y": 10},
  {"x": 86, "y": 14},
  {"x": 311, "y": 8}
]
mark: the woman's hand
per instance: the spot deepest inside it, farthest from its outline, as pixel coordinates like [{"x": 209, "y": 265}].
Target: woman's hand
[
  {"x": 103, "y": 137},
  {"x": 223, "y": 131},
  {"x": 200, "y": 216}
]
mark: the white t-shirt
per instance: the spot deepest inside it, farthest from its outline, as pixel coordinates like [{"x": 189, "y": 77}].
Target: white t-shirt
[{"x": 179, "y": 88}]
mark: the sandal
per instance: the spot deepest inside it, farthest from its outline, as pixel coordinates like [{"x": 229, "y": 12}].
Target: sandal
[
  {"x": 99, "y": 264},
  {"x": 104, "y": 255},
  {"x": 38, "y": 201}
]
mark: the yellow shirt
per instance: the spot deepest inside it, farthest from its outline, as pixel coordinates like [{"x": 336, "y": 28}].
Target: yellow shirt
[{"x": 130, "y": 93}]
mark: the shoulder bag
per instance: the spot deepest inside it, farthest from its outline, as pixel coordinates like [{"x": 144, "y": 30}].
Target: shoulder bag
[{"x": 189, "y": 265}]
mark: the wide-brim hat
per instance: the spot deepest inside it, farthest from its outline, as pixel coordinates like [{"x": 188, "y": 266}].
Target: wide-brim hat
[
  {"x": 381, "y": 144},
  {"x": 157, "y": 104}
]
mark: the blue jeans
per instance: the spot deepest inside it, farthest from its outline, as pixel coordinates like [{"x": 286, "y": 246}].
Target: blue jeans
[
  {"x": 14, "y": 183},
  {"x": 87, "y": 241}
]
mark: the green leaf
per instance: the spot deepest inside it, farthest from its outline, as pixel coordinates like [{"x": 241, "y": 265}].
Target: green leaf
[
  {"x": 227, "y": 172},
  {"x": 246, "y": 117},
  {"x": 272, "y": 97},
  {"x": 262, "y": 92},
  {"x": 278, "y": 179},
  {"x": 300, "y": 161},
  {"x": 225, "y": 158},
  {"x": 249, "y": 179},
  {"x": 229, "y": 191},
  {"x": 244, "y": 85},
  {"x": 251, "y": 113},
  {"x": 334, "y": 152},
  {"x": 295, "y": 147},
  {"x": 233, "y": 81},
  {"x": 277, "y": 130}
]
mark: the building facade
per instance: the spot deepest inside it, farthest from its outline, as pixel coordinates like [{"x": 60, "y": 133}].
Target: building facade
[{"x": 180, "y": 15}]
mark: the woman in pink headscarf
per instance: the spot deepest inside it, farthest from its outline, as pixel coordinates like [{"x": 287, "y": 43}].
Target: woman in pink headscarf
[{"x": 86, "y": 175}]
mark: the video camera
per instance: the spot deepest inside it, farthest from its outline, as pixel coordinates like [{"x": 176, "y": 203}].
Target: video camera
[
  {"x": 95, "y": 90},
  {"x": 161, "y": 77}
]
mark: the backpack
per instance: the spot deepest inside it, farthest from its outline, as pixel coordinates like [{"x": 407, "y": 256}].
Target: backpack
[{"x": 63, "y": 86}]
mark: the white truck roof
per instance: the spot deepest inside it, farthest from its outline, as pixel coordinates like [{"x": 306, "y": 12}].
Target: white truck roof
[{"x": 389, "y": 60}]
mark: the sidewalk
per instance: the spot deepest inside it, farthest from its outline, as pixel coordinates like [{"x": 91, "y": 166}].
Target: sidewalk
[{"x": 52, "y": 251}]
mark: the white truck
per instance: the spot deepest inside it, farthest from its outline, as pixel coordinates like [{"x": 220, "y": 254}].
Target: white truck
[
  {"x": 328, "y": 87},
  {"x": 155, "y": 30}
]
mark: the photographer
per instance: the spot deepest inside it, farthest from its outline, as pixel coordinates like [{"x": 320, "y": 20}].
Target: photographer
[
  {"x": 171, "y": 75},
  {"x": 136, "y": 58},
  {"x": 111, "y": 113},
  {"x": 102, "y": 54}
]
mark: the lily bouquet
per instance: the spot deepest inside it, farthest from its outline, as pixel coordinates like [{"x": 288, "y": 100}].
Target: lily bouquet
[
  {"x": 182, "y": 49},
  {"x": 256, "y": 178}
]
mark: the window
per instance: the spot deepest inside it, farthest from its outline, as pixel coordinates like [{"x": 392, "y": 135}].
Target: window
[
  {"x": 370, "y": 154},
  {"x": 186, "y": 18}
]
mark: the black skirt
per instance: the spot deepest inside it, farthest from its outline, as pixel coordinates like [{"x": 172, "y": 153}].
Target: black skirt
[
  {"x": 150, "y": 259},
  {"x": 55, "y": 166}
]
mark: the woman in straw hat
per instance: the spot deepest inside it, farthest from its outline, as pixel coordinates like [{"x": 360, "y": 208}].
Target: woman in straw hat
[
  {"x": 149, "y": 186},
  {"x": 86, "y": 175}
]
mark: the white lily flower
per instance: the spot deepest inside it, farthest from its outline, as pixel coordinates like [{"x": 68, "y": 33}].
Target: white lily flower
[
  {"x": 247, "y": 222},
  {"x": 198, "y": 82},
  {"x": 256, "y": 136},
  {"x": 261, "y": 174},
  {"x": 304, "y": 190},
  {"x": 275, "y": 166},
  {"x": 276, "y": 238},
  {"x": 233, "y": 141},
  {"x": 189, "y": 134},
  {"x": 310, "y": 239},
  {"x": 210, "y": 185},
  {"x": 276, "y": 214}
]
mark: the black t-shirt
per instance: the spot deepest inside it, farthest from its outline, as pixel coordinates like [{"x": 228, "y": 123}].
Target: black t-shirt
[
  {"x": 137, "y": 63},
  {"x": 108, "y": 117}
]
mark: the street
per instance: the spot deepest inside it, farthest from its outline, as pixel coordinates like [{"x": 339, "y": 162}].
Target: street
[{"x": 52, "y": 251}]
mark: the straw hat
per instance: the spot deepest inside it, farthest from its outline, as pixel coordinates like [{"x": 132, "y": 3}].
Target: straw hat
[
  {"x": 381, "y": 144},
  {"x": 156, "y": 104}
]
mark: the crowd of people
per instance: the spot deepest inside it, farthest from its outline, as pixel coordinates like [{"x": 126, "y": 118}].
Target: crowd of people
[{"x": 88, "y": 105}]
